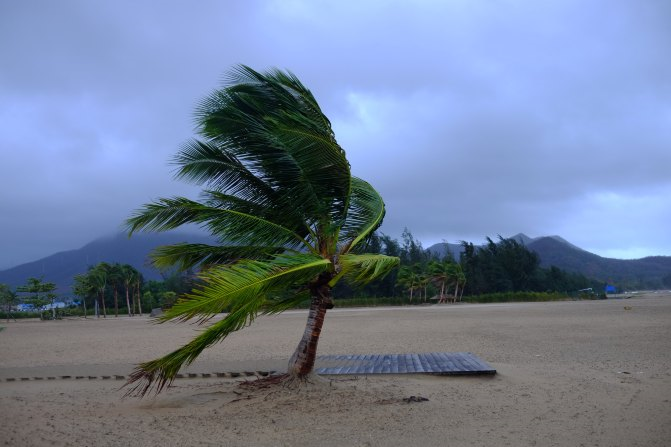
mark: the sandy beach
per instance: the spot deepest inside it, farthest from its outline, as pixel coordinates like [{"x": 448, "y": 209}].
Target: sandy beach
[{"x": 574, "y": 373}]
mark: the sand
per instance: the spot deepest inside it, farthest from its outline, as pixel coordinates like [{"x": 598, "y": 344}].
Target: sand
[{"x": 575, "y": 373}]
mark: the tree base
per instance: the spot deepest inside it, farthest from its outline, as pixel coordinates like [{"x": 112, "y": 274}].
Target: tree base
[{"x": 287, "y": 381}]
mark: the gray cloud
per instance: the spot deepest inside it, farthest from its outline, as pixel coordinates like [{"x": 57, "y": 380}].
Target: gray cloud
[{"x": 471, "y": 118}]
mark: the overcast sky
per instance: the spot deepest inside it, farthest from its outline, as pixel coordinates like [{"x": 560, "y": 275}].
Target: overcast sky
[{"x": 472, "y": 118}]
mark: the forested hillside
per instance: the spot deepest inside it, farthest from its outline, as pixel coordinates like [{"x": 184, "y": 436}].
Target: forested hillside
[{"x": 627, "y": 274}]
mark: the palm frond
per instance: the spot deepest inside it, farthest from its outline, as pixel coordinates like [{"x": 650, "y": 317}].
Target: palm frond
[
  {"x": 365, "y": 214},
  {"x": 364, "y": 268},
  {"x": 289, "y": 300},
  {"x": 242, "y": 289},
  {"x": 320, "y": 164},
  {"x": 165, "y": 214},
  {"x": 235, "y": 227},
  {"x": 228, "y": 287},
  {"x": 158, "y": 373},
  {"x": 185, "y": 256},
  {"x": 222, "y": 200},
  {"x": 212, "y": 165},
  {"x": 270, "y": 122},
  {"x": 278, "y": 212}
]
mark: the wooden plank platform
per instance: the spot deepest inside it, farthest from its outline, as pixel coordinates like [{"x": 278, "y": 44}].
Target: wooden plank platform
[{"x": 439, "y": 363}]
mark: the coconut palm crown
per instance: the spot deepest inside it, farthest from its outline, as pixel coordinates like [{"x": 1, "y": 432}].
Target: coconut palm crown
[{"x": 279, "y": 197}]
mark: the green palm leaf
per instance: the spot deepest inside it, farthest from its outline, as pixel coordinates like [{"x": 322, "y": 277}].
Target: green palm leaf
[
  {"x": 229, "y": 225},
  {"x": 270, "y": 123},
  {"x": 229, "y": 287},
  {"x": 206, "y": 163},
  {"x": 242, "y": 289},
  {"x": 185, "y": 256},
  {"x": 363, "y": 268},
  {"x": 162, "y": 371},
  {"x": 365, "y": 214},
  {"x": 291, "y": 300}
]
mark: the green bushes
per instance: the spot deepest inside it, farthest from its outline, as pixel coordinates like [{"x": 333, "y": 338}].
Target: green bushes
[
  {"x": 510, "y": 297},
  {"x": 18, "y": 315},
  {"x": 503, "y": 297}
]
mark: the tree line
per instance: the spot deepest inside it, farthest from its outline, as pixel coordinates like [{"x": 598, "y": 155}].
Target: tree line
[
  {"x": 103, "y": 285},
  {"x": 110, "y": 286},
  {"x": 501, "y": 266},
  {"x": 104, "y": 289}
]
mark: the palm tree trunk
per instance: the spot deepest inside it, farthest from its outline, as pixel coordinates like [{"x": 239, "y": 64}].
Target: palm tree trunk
[
  {"x": 102, "y": 299},
  {"x": 127, "y": 300},
  {"x": 302, "y": 362},
  {"x": 139, "y": 298},
  {"x": 116, "y": 302}
]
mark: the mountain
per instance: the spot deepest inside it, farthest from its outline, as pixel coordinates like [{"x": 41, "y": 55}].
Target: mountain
[
  {"x": 554, "y": 250},
  {"x": 60, "y": 268},
  {"x": 442, "y": 249},
  {"x": 629, "y": 273}
]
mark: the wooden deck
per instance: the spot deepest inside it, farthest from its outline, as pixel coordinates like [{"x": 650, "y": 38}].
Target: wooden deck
[{"x": 439, "y": 363}]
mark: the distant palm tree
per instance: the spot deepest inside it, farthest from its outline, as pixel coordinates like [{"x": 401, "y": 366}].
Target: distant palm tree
[
  {"x": 408, "y": 278},
  {"x": 115, "y": 278},
  {"x": 280, "y": 198},
  {"x": 446, "y": 273},
  {"x": 424, "y": 279},
  {"x": 128, "y": 276},
  {"x": 459, "y": 281},
  {"x": 98, "y": 277},
  {"x": 137, "y": 289}
]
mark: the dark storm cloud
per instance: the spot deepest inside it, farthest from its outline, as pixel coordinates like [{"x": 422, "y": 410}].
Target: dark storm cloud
[{"x": 471, "y": 118}]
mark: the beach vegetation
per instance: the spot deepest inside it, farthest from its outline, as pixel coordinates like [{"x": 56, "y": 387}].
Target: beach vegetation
[{"x": 8, "y": 299}]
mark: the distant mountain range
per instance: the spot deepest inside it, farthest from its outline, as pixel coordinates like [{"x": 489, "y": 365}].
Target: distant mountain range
[
  {"x": 60, "y": 268},
  {"x": 441, "y": 249},
  {"x": 646, "y": 272}
]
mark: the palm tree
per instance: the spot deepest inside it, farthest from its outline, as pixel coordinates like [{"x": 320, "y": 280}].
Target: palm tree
[
  {"x": 446, "y": 273},
  {"x": 128, "y": 275},
  {"x": 98, "y": 277},
  {"x": 439, "y": 274},
  {"x": 459, "y": 281},
  {"x": 137, "y": 295},
  {"x": 424, "y": 279},
  {"x": 408, "y": 278},
  {"x": 280, "y": 198},
  {"x": 115, "y": 277}
]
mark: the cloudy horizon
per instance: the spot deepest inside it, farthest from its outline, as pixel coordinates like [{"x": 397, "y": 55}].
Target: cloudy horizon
[{"x": 471, "y": 118}]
